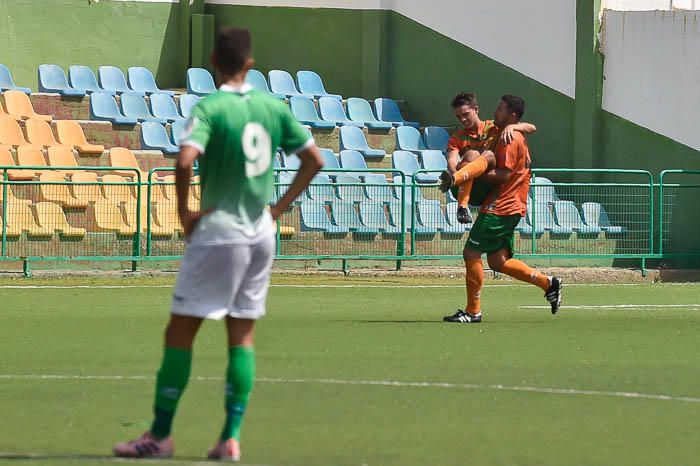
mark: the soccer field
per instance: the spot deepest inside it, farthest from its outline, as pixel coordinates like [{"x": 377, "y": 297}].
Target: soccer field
[{"x": 363, "y": 372}]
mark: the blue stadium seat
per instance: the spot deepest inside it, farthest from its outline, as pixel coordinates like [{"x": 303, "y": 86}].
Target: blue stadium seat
[
  {"x": 373, "y": 215},
  {"x": 388, "y": 110},
  {"x": 407, "y": 162},
  {"x": 155, "y": 137},
  {"x": 321, "y": 189},
  {"x": 350, "y": 188},
  {"x": 567, "y": 215},
  {"x": 200, "y": 82},
  {"x": 163, "y": 106},
  {"x": 285, "y": 180},
  {"x": 436, "y": 138},
  {"x": 187, "y": 103},
  {"x": 311, "y": 83},
  {"x": 594, "y": 215},
  {"x": 431, "y": 216},
  {"x": 330, "y": 161},
  {"x": 103, "y": 107},
  {"x": 134, "y": 106},
  {"x": 540, "y": 218},
  {"x": 418, "y": 196},
  {"x": 281, "y": 82},
  {"x": 395, "y": 209},
  {"x": 408, "y": 138},
  {"x": 178, "y": 127},
  {"x": 378, "y": 189},
  {"x": 544, "y": 191},
  {"x": 359, "y": 110},
  {"x": 304, "y": 111},
  {"x": 291, "y": 161},
  {"x": 83, "y": 78},
  {"x": 352, "y": 138},
  {"x": 332, "y": 110},
  {"x": 314, "y": 217},
  {"x": 256, "y": 79},
  {"x": 8, "y": 84},
  {"x": 433, "y": 160},
  {"x": 112, "y": 79},
  {"x": 345, "y": 216},
  {"x": 141, "y": 80},
  {"x": 352, "y": 160},
  {"x": 451, "y": 214},
  {"x": 52, "y": 78}
]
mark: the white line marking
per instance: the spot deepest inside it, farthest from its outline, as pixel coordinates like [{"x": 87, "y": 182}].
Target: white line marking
[
  {"x": 623, "y": 306},
  {"x": 383, "y": 383}
]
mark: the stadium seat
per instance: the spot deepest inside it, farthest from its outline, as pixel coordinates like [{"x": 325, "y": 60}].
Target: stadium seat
[
  {"x": 276, "y": 163},
  {"x": 11, "y": 133},
  {"x": 56, "y": 190},
  {"x": 130, "y": 212},
  {"x": 451, "y": 214},
  {"x": 165, "y": 220},
  {"x": 436, "y": 138},
  {"x": 109, "y": 218},
  {"x": 200, "y": 82},
  {"x": 540, "y": 218},
  {"x": 281, "y": 82},
  {"x": 360, "y": 111},
  {"x": 407, "y": 162},
  {"x": 20, "y": 218},
  {"x": 332, "y": 110},
  {"x": 103, "y": 107},
  {"x": 32, "y": 156},
  {"x": 594, "y": 215},
  {"x": 51, "y": 217},
  {"x": 285, "y": 180},
  {"x": 163, "y": 107},
  {"x": 321, "y": 189},
  {"x": 187, "y": 103},
  {"x": 83, "y": 78},
  {"x": 377, "y": 188},
  {"x": 134, "y": 106},
  {"x": 352, "y": 138},
  {"x": 417, "y": 195},
  {"x": 62, "y": 156},
  {"x": 85, "y": 188},
  {"x": 141, "y": 80},
  {"x": 112, "y": 79},
  {"x": 71, "y": 133},
  {"x": 291, "y": 162},
  {"x": 8, "y": 84},
  {"x": 256, "y": 79},
  {"x": 431, "y": 217},
  {"x": 352, "y": 160},
  {"x": 53, "y": 79},
  {"x": 121, "y": 157},
  {"x": 350, "y": 188},
  {"x": 408, "y": 138},
  {"x": 330, "y": 161},
  {"x": 18, "y": 103},
  {"x": 544, "y": 190},
  {"x": 311, "y": 83},
  {"x": 433, "y": 160},
  {"x": 567, "y": 215},
  {"x": 39, "y": 133},
  {"x": 177, "y": 128},
  {"x": 115, "y": 189},
  {"x": 395, "y": 209},
  {"x": 314, "y": 217},
  {"x": 388, "y": 110},
  {"x": 4, "y": 114},
  {"x": 304, "y": 111},
  {"x": 6, "y": 160},
  {"x": 373, "y": 215},
  {"x": 155, "y": 137},
  {"x": 345, "y": 216}
]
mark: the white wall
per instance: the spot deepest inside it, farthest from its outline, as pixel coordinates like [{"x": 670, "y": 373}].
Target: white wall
[
  {"x": 646, "y": 5},
  {"x": 652, "y": 70}
]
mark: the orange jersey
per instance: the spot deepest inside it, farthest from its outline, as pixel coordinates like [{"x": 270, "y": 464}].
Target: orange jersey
[
  {"x": 484, "y": 138},
  {"x": 511, "y": 198}
]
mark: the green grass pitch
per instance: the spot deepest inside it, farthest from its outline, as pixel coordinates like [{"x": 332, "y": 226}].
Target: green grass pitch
[{"x": 362, "y": 372}]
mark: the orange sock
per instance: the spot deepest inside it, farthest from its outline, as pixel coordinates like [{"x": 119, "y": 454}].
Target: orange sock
[
  {"x": 475, "y": 281},
  {"x": 521, "y": 271},
  {"x": 471, "y": 170},
  {"x": 465, "y": 190}
]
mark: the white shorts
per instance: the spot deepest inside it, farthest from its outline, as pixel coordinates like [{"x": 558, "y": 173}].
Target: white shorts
[{"x": 222, "y": 280}]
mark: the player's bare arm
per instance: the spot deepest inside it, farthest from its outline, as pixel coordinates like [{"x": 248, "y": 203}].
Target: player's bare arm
[
  {"x": 453, "y": 159},
  {"x": 183, "y": 175},
  {"x": 497, "y": 176},
  {"x": 311, "y": 163},
  {"x": 521, "y": 127}
]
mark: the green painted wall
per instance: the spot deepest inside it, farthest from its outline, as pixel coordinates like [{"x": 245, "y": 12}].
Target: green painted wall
[{"x": 67, "y": 32}]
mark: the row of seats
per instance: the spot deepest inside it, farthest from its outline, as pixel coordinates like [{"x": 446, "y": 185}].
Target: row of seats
[
  {"x": 563, "y": 218},
  {"x": 81, "y": 80},
  {"x": 17, "y": 106},
  {"x": 39, "y": 132},
  {"x": 135, "y": 109},
  {"x": 331, "y": 113}
]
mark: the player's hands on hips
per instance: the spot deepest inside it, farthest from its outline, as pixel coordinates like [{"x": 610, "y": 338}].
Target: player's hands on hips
[
  {"x": 507, "y": 134},
  {"x": 275, "y": 212}
]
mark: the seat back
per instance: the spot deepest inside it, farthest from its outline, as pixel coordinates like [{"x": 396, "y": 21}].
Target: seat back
[
  {"x": 20, "y": 216},
  {"x": 405, "y": 161},
  {"x": 567, "y": 215},
  {"x": 112, "y": 79},
  {"x": 11, "y": 132},
  {"x": 187, "y": 103},
  {"x": 314, "y": 215},
  {"x": 352, "y": 138},
  {"x": 395, "y": 209},
  {"x": 30, "y": 156},
  {"x": 256, "y": 79},
  {"x": 430, "y": 215},
  {"x": 388, "y": 110},
  {"x": 409, "y": 138},
  {"x": 39, "y": 132},
  {"x": 154, "y": 135},
  {"x": 52, "y": 217},
  {"x": 372, "y": 215},
  {"x": 83, "y": 78},
  {"x": 86, "y": 192},
  {"x": 332, "y": 109},
  {"x": 18, "y": 103},
  {"x": 52, "y": 78},
  {"x": 134, "y": 106},
  {"x": 115, "y": 189},
  {"x": 61, "y": 156},
  {"x": 310, "y": 83},
  {"x": 291, "y": 161},
  {"x": 141, "y": 79},
  {"x": 352, "y": 159},
  {"x": 70, "y": 132},
  {"x": 345, "y": 215},
  {"x": 282, "y": 82},
  {"x": 543, "y": 191},
  {"x": 123, "y": 158},
  {"x": 377, "y": 188},
  {"x": 539, "y": 216},
  {"x": 303, "y": 108},
  {"x": 103, "y": 105},
  {"x": 433, "y": 160},
  {"x": 436, "y": 138},
  {"x": 200, "y": 82},
  {"x": 360, "y": 110},
  {"x": 321, "y": 189},
  {"x": 350, "y": 188},
  {"x": 595, "y": 215},
  {"x": 163, "y": 106},
  {"x": 176, "y": 131},
  {"x": 6, "y": 81},
  {"x": 330, "y": 161}
]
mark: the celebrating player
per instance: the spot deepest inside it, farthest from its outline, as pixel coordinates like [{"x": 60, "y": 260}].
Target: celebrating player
[{"x": 225, "y": 272}]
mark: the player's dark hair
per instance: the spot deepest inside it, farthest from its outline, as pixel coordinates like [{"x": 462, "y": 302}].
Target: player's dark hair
[
  {"x": 515, "y": 105},
  {"x": 464, "y": 98},
  {"x": 232, "y": 49}
]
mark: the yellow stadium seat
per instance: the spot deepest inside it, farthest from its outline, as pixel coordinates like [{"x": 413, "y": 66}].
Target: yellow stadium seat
[
  {"x": 11, "y": 196},
  {"x": 62, "y": 156},
  {"x": 4, "y": 114},
  {"x": 52, "y": 217},
  {"x": 32, "y": 156},
  {"x": 108, "y": 217},
  {"x": 166, "y": 220},
  {"x": 39, "y": 132},
  {"x": 124, "y": 158},
  {"x": 117, "y": 193},
  {"x": 59, "y": 193},
  {"x": 287, "y": 231},
  {"x": 86, "y": 193},
  {"x": 130, "y": 211},
  {"x": 71, "y": 133},
  {"x": 11, "y": 133},
  {"x": 10, "y": 232},
  {"x": 6, "y": 160},
  {"x": 18, "y": 103},
  {"x": 21, "y": 218}
]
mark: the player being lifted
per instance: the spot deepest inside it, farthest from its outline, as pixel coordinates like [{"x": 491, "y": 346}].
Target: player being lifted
[
  {"x": 225, "y": 272},
  {"x": 494, "y": 230},
  {"x": 475, "y": 138}
]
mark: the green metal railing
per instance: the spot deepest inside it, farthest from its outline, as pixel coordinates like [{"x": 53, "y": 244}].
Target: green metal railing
[{"x": 679, "y": 191}]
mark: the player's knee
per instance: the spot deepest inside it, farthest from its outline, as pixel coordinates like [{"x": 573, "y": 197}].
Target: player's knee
[
  {"x": 470, "y": 255},
  {"x": 491, "y": 158},
  {"x": 471, "y": 155}
]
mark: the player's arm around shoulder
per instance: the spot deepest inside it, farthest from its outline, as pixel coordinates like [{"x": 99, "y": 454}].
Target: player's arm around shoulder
[{"x": 522, "y": 128}]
